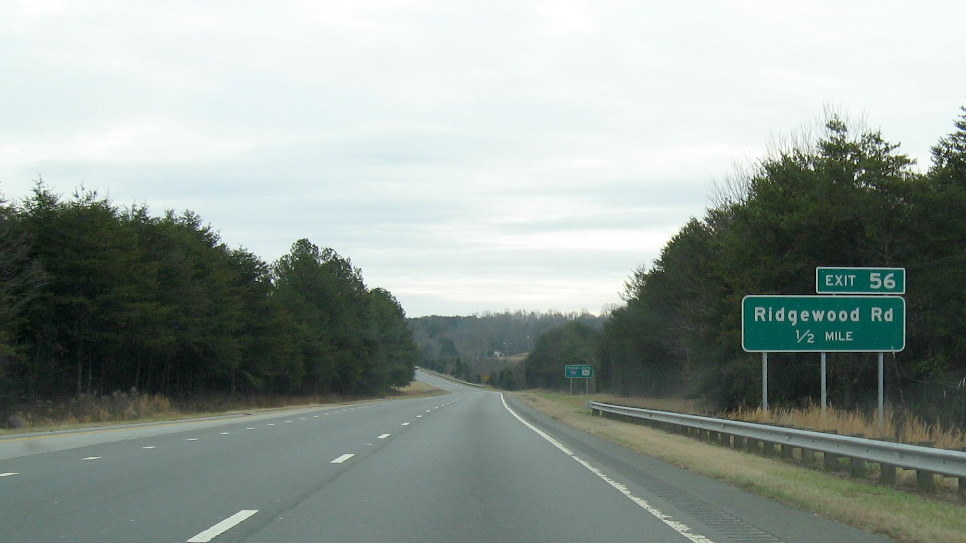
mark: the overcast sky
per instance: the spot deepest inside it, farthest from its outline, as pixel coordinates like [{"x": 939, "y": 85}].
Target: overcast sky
[{"x": 467, "y": 156}]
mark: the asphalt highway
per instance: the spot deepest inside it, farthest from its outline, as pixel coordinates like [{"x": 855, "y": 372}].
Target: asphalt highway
[{"x": 470, "y": 465}]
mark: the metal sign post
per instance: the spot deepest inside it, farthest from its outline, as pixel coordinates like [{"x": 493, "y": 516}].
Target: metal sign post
[
  {"x": 881, "y": 392},
  {"x": 824, "y": 388},
  {"x": 764, "y": 381},
  {"x": 827, "y": 323}
]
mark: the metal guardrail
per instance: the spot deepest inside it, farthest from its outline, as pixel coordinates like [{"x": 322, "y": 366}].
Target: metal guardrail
[{"x": 914, "y": 457}]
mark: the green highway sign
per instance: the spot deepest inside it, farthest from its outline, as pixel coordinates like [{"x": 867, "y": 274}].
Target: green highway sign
[
  {"x": 823, "y": 324},
  {"x": 860, "y": 280},
  {"x": 578, "y": 371}
]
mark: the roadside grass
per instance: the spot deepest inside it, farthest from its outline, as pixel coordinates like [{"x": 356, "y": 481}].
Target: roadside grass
[
  {"x": 119, "y": 408},
  {"x": 903, "y": 515}
]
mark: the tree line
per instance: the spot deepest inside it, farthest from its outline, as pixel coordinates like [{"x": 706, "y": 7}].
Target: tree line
[
  {"x": 96, "y": 298},
  {"x": 846, "y": 197}
]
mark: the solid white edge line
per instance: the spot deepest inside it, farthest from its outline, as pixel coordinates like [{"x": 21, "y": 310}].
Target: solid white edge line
[
  {"x": 342, "y": 458},
  {"x": 223, "y": 526},
  {"x": 679, "y": 527}
]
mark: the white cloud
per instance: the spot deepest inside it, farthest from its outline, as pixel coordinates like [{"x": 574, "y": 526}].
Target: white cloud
[{"x": 465, "y": 155}]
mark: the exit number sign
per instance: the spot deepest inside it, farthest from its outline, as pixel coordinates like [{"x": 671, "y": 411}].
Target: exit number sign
[{"x": 860, "y": 280}]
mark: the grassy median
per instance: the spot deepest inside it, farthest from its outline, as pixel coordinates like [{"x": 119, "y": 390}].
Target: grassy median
[{"x": 902, "y": 515}]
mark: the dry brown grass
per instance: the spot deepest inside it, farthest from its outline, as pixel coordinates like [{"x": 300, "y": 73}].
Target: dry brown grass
[
  {"x": 909, "y": 430},
  {"x": 900, "y": 515},
  {"x": 120, "y": 408}
]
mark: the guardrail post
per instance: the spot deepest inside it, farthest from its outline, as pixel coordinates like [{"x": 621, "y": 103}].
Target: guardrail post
[
  {"x": 767, "y": 448},
  {"x": 962, "y": 482},
  {"x": 925, "y": 480},
  {"x": 808, "y": 455},
  {"x": 788, "y": 452},
  {"x": 857, "y": 467},
  {"x": 830, "y": 460},
  {"x": 751, "y": 445},
  {"x": 887, "y": 474}
]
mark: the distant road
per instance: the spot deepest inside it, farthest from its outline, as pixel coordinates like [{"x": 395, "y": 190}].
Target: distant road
[{"x": 467, "y": 466}]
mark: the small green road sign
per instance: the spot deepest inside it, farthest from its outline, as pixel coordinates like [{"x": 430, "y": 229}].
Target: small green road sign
[
  {"x": 860, "y": 280},
  {"x": 823, "y": 324},
  {"x": 578, "y": 371}
]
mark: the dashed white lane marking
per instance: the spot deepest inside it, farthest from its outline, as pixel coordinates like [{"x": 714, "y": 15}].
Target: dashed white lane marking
[
  {"x": 679, "y": 527},
  {"x": 223, "y": 526},
  {"x": 342, "y": 458},
  {"x": 419, "y": 416},
  {"x": 405, "y": 424},
  {"x": 93, "y": 458},
  {"x": 224, "y": 433},
  {"x": 8, "y": 474},
  {"x": 150, "y": 447},
  {"x": 249, "y": 428},
  {"x": 192, "y": 439},
  {"x": 270, "y": 424},
  {"x": 383, "y": 436}
]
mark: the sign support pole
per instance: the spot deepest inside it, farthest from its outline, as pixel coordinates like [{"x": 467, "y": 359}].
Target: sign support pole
[
  {"x": 824, "y": 386},
  {"x": 571, "y": 386},
  {"x": 764, "y": 381},
  {"x": 881, "y": 386}
]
